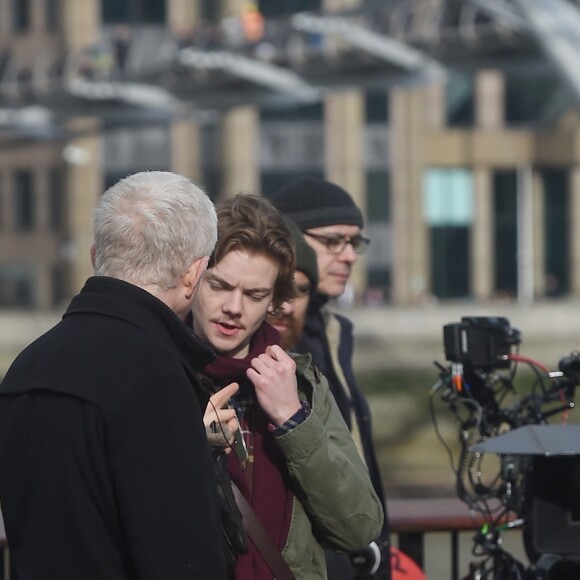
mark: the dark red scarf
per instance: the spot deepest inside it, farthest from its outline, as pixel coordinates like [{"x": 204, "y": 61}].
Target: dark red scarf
[{"x": 264, "y": 482}]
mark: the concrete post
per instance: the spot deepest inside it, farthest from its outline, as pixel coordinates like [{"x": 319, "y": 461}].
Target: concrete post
[
  {"x": 239, "y": 151},
  {"x": 539, "y": 238},
  {"x": 482, "y": 258},
  {"x": 184, "y": 135},
  {"x": 81, "y": 22},
  {"x": 84, "y": 175},
  {"x": 411, "y": 276},
  {"x": 344, "y": 158},
  {"x": 489, "y": 99},
  {"x": 84, "y": 184}
]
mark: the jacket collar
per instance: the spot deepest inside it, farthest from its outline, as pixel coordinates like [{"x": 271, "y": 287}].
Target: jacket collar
[{"x": 110, "y": 297}]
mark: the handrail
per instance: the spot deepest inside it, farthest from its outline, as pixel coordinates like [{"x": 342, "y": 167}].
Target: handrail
[
  {"x": 409, "y": 518},
  {"x": 431, "y": 515}
]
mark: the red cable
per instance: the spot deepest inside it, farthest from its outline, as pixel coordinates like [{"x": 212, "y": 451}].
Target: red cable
[{"x": 522, "y": 358}]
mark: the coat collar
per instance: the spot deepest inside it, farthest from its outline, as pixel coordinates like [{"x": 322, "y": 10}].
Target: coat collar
[{"x": 115, "y": 298}]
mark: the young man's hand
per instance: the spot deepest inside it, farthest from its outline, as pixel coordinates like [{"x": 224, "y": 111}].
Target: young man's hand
[{"x": 274, "y": 376}]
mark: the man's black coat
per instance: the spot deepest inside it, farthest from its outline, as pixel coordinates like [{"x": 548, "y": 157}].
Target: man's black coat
[{"x": 105, "y": 471}]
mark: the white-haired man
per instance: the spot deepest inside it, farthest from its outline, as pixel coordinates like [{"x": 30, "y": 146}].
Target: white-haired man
[{"x": 105, "y": 470}]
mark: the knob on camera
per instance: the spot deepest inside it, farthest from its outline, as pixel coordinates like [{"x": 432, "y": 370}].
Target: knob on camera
[{"x": 570, "y": 365}]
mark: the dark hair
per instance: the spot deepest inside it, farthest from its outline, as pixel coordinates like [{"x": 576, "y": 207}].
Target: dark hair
[{"x": 251, "y": 223}]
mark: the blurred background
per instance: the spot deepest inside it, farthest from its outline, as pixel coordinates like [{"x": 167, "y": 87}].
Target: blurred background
[{"x": 453, "y": 123}]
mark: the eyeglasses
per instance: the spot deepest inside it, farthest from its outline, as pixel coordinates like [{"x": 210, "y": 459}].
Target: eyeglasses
[{"x": 336, "y": 244}]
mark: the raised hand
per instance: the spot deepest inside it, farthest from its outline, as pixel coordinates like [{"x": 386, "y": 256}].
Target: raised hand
[{"x": 274, "y": 376}]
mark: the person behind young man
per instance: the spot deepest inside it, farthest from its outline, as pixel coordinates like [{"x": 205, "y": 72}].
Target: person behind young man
[
  {"x": 288, "y": 319},
  {"x": 332, "y": 226},
  {"x": 304, "y": 477},
  {"x": 105, "y": 469}
]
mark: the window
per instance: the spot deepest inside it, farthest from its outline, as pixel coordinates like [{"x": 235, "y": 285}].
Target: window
[
  {"x": 283, "y": 7},
  {"x": 448, "y": 210},
  {"x": 52, "y": 15},
  {"x": 16, "y": 286},
  {"x": 133, "y": 11},
  {"x": 530, "y": 99},
  {"x": 377, "y": 107},
  {"x": 450, "y": 261},
  {"x": 23, "y": 201},
  {"x": 153, "y": 11},
  {"x": 378, "y": 196},
  {"x": 557, "y": 231},
  {"x": 56, "y": 205},
  {"x": 460, "y": 101},
  {"x": 448, "y": 197},
  {"x": 21, "y": 15},
  {"x": 116, "y": 11},
  {"x": 59, "y": 285},
  {"x": 506, "y": 233},
  {"x": 287, "y": 146},
  {"x": 272, "y": 181}
]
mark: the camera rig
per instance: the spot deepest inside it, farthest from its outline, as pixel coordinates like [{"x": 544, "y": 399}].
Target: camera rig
[{"x": 478, "y": 389}]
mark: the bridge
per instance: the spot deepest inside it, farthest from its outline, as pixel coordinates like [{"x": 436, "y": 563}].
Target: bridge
[{"x": 297, "y": 61}]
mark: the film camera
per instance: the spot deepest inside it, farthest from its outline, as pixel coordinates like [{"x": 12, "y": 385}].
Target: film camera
[
  {"x": 480, "y": 342},
  {"x": 478, "y": 388}
]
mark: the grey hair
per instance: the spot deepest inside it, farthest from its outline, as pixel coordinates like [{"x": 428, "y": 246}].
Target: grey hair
[{"x": 150, "y": 227}]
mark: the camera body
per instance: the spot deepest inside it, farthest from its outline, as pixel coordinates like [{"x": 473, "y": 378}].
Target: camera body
[
  {"x": 540, "y": 490},
  {"x": 480, "y": 342}
]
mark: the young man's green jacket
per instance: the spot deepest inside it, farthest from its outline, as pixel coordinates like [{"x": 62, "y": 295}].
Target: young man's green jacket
[{"x": 335, "y": 504}]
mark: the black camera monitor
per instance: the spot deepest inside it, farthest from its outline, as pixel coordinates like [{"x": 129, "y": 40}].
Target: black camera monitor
[
  {"x": 480, "y": 341},
  {"x": 556, "y": 505}
]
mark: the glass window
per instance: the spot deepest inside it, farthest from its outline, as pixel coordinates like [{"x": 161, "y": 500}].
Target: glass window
[
  {"x": 16, "y": 286},
  {"x": 448, "y": 208},
  {"x": 556, "y": 203},
  {"x": 529, "y": 99},
  {"x": 378, "y": 196},
  {"x": 52, "y": 10},
  {"x": 59, "y": 285},
  {"x": 23, "y": 200},
  {"x": 21, "y": 15},
  {"x": 272, "y": 181},
  {"x": 450, "y": 261},
  {"x": 314, "y": 112},
  {"x": 283, "y": 7},
  {"x": 116, "y": 11},
  {"x": 460, "y": 101},
  {"x": 210, "y": 10},
  {"x": 56, "y": 206},
  {"x": 153, "y": 11},
  {"x": 505, "y": 233},
  {"x": 377, "y": 107},
  {"x": 133, "y": 11},
  {"x": 377, "y": 147},
  {"x": 448, "y": 197}
]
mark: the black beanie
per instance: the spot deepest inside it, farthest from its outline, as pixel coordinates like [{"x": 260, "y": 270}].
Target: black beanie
[
  {"x": 305, "y": 256},
  {"x": 312, "y": 202}
]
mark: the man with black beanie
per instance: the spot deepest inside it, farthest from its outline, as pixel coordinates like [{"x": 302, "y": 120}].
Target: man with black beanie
[{"x": 332, "y": 226}]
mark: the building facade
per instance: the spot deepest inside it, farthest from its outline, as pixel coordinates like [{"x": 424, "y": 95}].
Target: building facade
[{"x": 470, "y": 185}]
